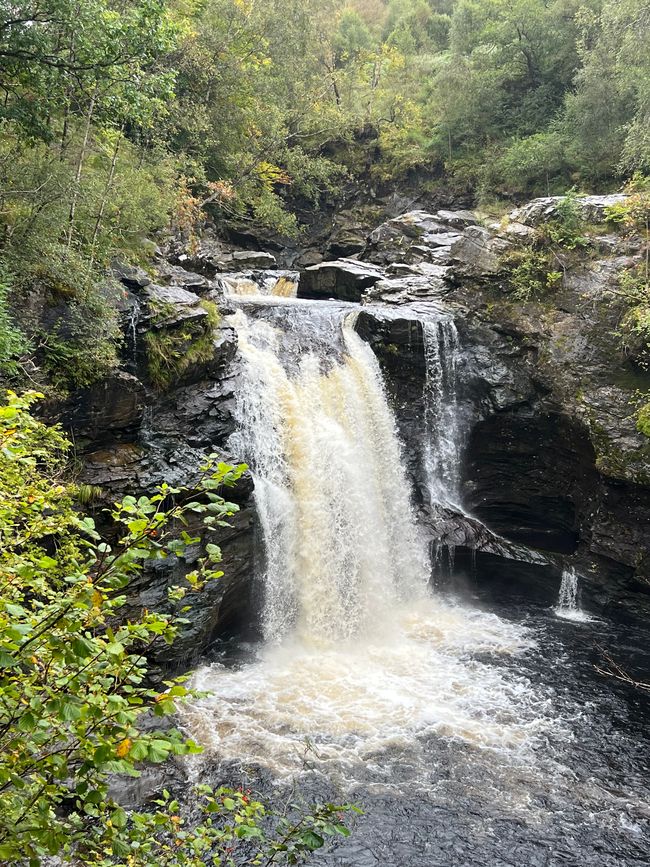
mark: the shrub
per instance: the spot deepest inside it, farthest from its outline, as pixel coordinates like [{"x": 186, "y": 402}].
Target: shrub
[
  {"x": 567, "y": 227},
  {"x": 74, "y": 680},
  {"x": 13, "y": 343},
  {"x": 530, "y": 274},
  {"x": 643, "y": 420}
]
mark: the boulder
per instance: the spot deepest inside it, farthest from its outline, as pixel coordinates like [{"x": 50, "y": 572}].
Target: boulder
[
  {"x": 243, "y": 259},
  {"x": 309, "y": 258},
  {"x": 344, "y": 279},
  {"x": 417, "y": 236},
  {"x": 175, "y": 275},
  {"x": 169, "y": 306},
  {"x": 541, "y": 210},
  {"x": 476, "y": 253},
  {"x": 132, "y": 277}
]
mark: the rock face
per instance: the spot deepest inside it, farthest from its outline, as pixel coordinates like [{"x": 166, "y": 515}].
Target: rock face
[
  {"x": 131, "y": 437},
  {"x": 553, "y": 459},
  {"x": 555, "y": 471},
  {"x": 538, "y": 211},
  {"x": 417, "y": 236},
  {"x": 344, "y": 279}
]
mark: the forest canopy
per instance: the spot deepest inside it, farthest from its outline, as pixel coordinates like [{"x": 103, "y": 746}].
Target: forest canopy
[{"x": 123, "y": 120}]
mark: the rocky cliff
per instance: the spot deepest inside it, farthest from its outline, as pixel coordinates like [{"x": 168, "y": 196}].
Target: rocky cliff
[{"x": 554, "y": 471}]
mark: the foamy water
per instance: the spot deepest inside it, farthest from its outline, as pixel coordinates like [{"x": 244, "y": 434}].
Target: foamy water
[{"x": 335, "y": 706}]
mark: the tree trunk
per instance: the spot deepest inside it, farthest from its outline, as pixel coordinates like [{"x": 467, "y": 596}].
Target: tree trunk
[
  {"x": 105, "y": 195},
  {"x": 80, "y": 165}
]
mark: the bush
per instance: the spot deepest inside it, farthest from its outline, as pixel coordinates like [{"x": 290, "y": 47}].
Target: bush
[
  {"x": 13, "y": 343},
  {"x": 530, "y": 274},
  {"x": 74, "y": 675},
  {"x": 643, "y": 420},
  {"x": 567, "y": 227}
]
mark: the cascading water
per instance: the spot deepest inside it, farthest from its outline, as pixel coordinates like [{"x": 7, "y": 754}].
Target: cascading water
[
  {"x": 567, "y": 603},
  {"x": 282, "y": 284},
  {"x": 442, "y": 439},
  {"x": 358, "y": 654},
  {"x": 367, "y": 685},
  {"x": 340, "y": 536}
]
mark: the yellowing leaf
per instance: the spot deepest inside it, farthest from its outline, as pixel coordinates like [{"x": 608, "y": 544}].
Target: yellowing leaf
[{"x": 124, "y": 748}]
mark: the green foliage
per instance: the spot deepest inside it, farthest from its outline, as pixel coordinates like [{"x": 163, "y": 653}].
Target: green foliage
[
  {"x": 538, "y": 266},
  {"x": 74, "y": 684},
  {"x": 643, "y": 420},
  {"x": 172, "y": 351},
  {"x": 633, "y": 215},
  {"x": 530, "y": 274},
  {"x": 13, "y": 343},
  {"x": 567, "y": 226},
  {"x": 122, "y": 123}
]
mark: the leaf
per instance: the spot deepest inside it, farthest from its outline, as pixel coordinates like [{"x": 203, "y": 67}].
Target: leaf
[
  {"x": 114, "y": 648},
  {"x": 124, "y": 747},
  {"x": 7, "y": 660},
  {"x": 70, "y": 711},
  {"x": 119, "y": 818},
  {"x": 312, "y": 840}
]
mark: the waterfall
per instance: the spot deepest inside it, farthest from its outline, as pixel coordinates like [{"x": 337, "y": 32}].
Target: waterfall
[
  {"x": 441, "y": 449},
  {"x": 567, "y": 604},
  {"x": 359, "y": 658},
  {"x": 132, "y": 329},
  {"x": 340, "y": 537},
  {"x": 283, "y": 284}
]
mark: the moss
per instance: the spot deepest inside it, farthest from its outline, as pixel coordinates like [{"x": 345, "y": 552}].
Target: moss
[
  {"x": 173, "y": 351},
  {"x": 613, "y": 461}
]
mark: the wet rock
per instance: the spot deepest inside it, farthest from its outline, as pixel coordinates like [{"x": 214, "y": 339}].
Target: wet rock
[
  {"x": 532, "y": 478},
  {"x": 260, "y": 260},
  {"x": 175, "y": 275},
  {"x": 538, "y": 211},
  {"x": 417, "y": 236},
  {"x": 113, "y": 406},
  {"x": 344, "y": 279},
  {"x": 170, "y": 306},
  {"x": 131, "y": 276},
  {"x": 416, "y": 282},
  {"x": 477, "y": 253},
  {"x": 211, "y": 257},
  {"x": 309, "y": 258}
]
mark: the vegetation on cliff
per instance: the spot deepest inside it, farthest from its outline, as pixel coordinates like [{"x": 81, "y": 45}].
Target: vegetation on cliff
[{"x": 120, "y": 121}]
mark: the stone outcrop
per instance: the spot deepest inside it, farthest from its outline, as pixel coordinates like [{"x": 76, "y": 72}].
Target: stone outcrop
[
  {"x": 131, "y": 437},
  {"x": 554, "y": 461},
  {"x": 592, "y": 208},
  {"x": 417, "y": 237},
  {"x": 344, "y": 279}
]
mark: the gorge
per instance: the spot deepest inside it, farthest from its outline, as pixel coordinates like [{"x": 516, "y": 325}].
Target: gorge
[{"x": 399, "y": 595}]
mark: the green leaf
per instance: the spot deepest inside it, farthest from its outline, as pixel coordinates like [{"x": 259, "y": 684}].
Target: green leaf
[
  {"x": 7, "y": 660},
  {"x": 312, "y": 840}
]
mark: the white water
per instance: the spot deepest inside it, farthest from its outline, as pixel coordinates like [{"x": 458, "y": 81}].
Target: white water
[
  {"x": 567, "y": 604},
  {"x": 341, "y": 541},
  {"x": 283, "y": 284},
  {"x": 441, "y": 428},
  {"x": 359, "y": 656}
]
